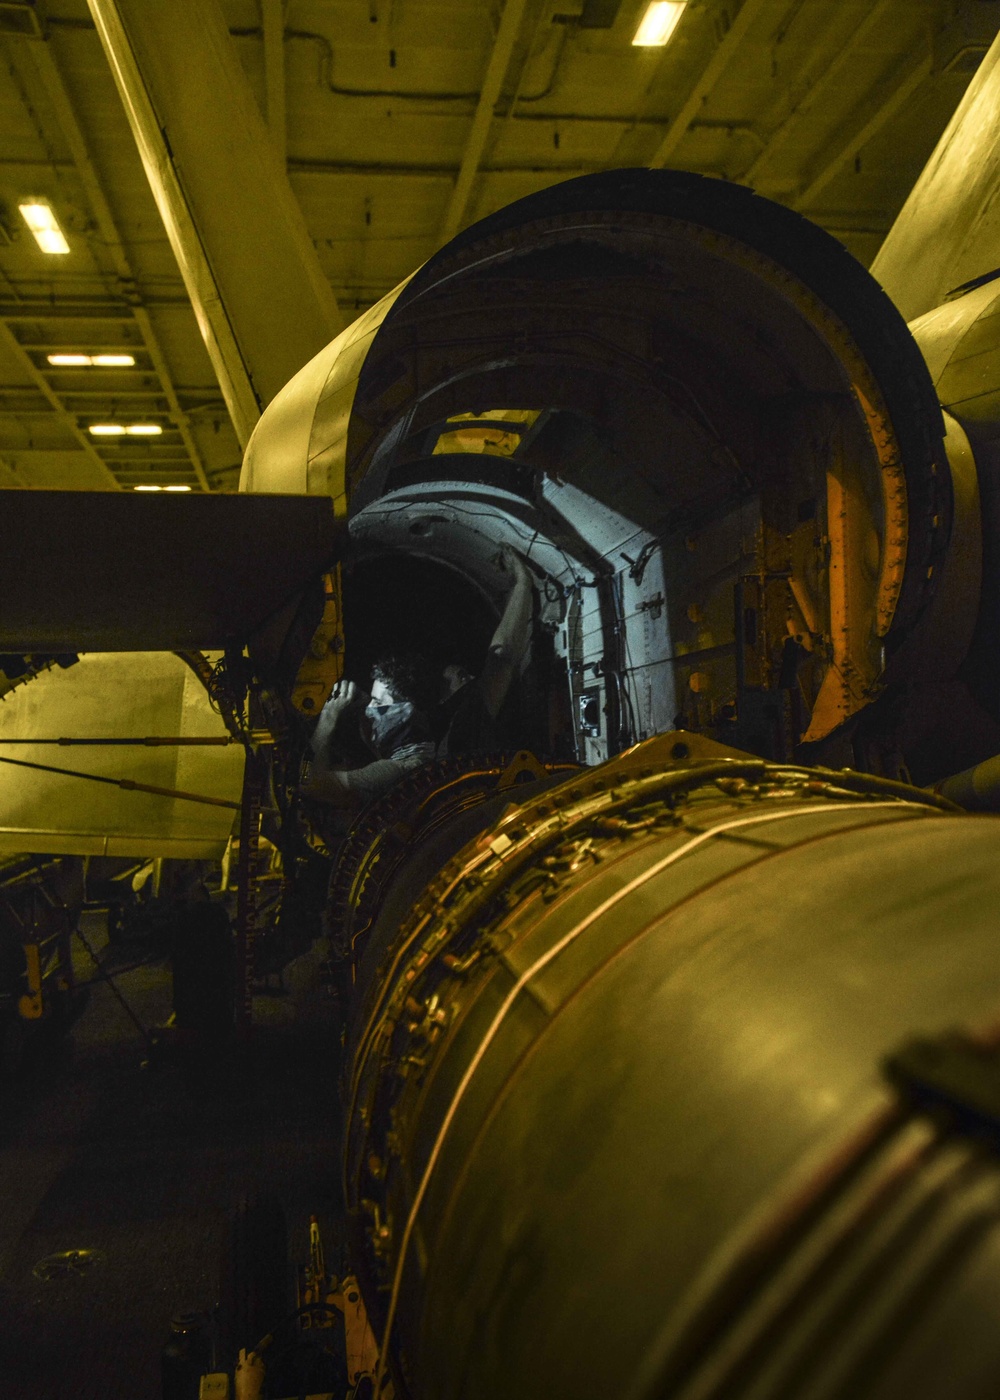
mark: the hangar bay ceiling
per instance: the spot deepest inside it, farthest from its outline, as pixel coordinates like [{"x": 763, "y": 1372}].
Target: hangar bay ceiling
[{"x": 399, "y": 123}]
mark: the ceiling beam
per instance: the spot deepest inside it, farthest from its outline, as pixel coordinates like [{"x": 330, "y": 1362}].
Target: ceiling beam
[
  {"x": 176, "y": 411},
  {"x": 81, "y": 309},
  {"x": 846, "y": 54},
  {"x": 893, "y": 96},
  {"x": 11, "y": 344},
  {"x": 212, "y": 395},
  {"x": 496, "y": 71},
  {"x": 725, "y": 51},
  {"x": 272, "y": 18},
  {"x": 45, "y": 65},
  {"x": 426, "y": 170}
]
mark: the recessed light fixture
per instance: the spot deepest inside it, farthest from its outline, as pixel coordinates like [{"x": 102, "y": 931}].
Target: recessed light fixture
[
  {"x": 78, "y": 360},
  {"x": 144, "y": 430},
  {"x": 177, "y": 488},
  {"x": 38, "y": 215},
  {"x": 147, "y": 488},
  {"x": 658, "y": 23},
  {"x": 107, "y": 429}
]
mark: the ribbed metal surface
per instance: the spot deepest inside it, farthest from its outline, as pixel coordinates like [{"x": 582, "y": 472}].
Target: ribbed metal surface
[
  {"x": 616, "y": 1036},
  {"x": 840, "y": 1305}
]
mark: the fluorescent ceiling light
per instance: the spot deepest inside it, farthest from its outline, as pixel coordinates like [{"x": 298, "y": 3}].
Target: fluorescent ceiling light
[
  {"x": 133, "y": 429},
  {"x": 44, "y": 225},
  {"x": 103, "y": 361},
  {"x": 148, "y": 488},
  {"x": 177, "y": 488},
  {"x": 658, "y": 23}
]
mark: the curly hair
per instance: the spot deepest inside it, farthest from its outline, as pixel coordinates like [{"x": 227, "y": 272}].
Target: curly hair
[{"x": 408, "y": 676}]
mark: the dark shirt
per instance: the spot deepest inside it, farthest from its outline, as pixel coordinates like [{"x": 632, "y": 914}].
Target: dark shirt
[
  {"x": 374, "y": 779},
  {"x": 465, "y": 724}
]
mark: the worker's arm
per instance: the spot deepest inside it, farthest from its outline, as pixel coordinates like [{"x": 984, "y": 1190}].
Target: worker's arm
[
  {"x": 354, "y": 787},
  {"x": 345, "y": 694},
  {"x": 325, "y": 783},
  {"x": 509, "y": 640},
  {"x": 329, "y": 785}
]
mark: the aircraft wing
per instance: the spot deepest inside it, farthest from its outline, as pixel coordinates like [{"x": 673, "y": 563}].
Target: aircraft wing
[
  {"x": 107, "y": 571},
  {"x": 128, "y": 579}
]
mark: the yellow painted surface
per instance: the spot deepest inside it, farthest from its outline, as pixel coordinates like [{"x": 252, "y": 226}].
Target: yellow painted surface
[{"x": 130, "y": 695}]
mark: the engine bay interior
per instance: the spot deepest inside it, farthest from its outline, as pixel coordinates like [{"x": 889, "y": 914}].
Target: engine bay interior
[{"x": 734, "y": 504}]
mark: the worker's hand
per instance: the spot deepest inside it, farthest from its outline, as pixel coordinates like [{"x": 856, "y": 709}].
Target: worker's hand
[{"x": 345, "y": 693}]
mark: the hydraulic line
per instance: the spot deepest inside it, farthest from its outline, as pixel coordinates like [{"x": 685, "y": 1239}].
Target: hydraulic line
[{"x": 128, "y": 784}]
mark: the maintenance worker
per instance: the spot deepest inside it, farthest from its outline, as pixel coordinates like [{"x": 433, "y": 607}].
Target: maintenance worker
[
  {"x": 398, "y": 730},
  {"x": 467, "y": 717}
]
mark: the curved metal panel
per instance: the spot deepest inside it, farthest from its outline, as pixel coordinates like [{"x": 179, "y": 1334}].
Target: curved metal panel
[
  {"x": 300, "y": 443},
  {"x": 947, "y": 231}
]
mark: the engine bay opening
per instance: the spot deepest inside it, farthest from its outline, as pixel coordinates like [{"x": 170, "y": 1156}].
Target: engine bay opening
[
  {"x": 395, "y": 601},
  {"x": 708, "y": 427},
  {"x": 734, "y": 500}
]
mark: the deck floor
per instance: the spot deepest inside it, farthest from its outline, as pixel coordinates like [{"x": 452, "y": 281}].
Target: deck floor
[{"x": 143, "y": 1165}]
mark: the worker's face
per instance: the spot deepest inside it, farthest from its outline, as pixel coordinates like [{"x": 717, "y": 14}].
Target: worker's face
[
  {"x": 385, "y": 714},
  {"x": 381, "y": 694}
]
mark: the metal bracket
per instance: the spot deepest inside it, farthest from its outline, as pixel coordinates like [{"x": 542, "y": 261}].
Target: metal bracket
[{"x": 522, "y": 765}]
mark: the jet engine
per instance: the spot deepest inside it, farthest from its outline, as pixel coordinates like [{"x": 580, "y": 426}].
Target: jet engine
[
  {"x": 675, "y": 1075},
  {"x": 680, "y": 1080}
]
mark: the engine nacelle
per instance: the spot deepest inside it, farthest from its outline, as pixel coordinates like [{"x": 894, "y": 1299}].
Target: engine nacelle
[{"x": 633, "y": 1106}]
